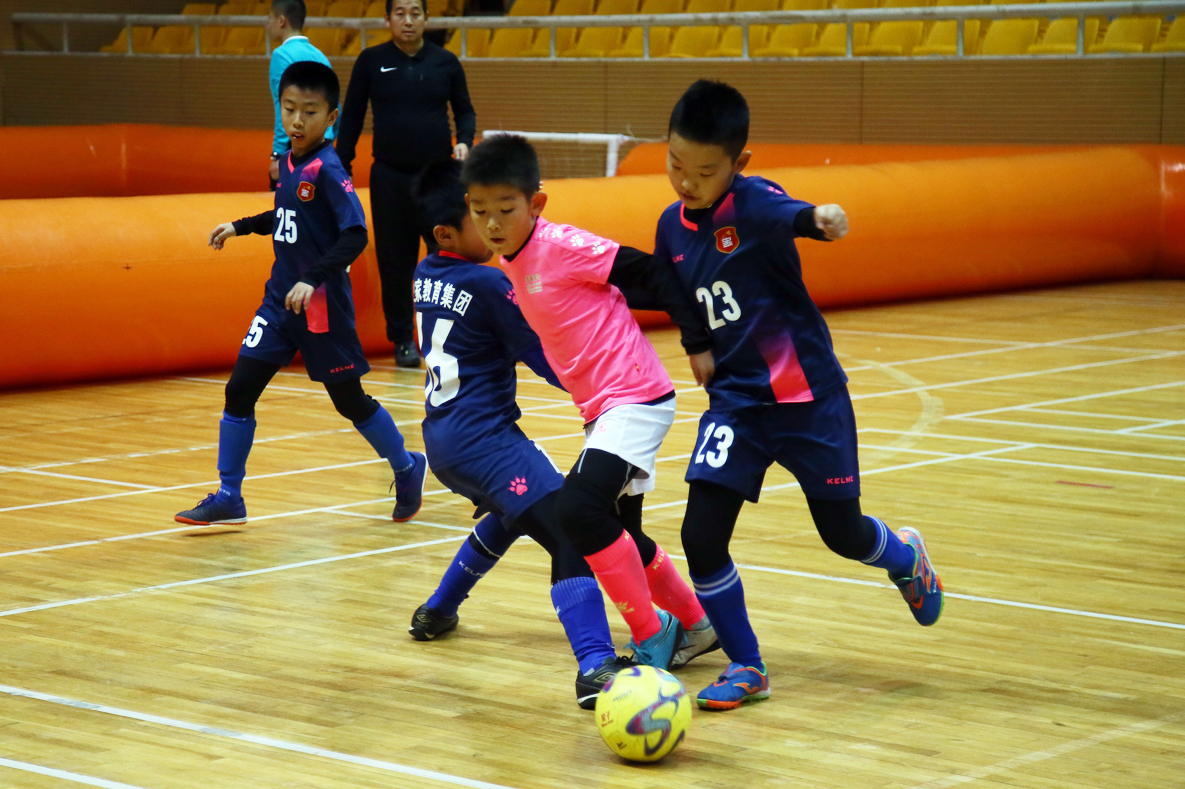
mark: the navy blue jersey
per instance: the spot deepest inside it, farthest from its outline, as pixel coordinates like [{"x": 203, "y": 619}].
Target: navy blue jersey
[
  {"x": 770, "y": 342},
  {"x": 471, "y": 334},
  {"x": 315, "y": 202}
]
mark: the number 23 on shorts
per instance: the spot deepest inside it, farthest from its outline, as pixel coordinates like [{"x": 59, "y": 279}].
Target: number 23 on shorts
[{"x": 717, "y": 455}]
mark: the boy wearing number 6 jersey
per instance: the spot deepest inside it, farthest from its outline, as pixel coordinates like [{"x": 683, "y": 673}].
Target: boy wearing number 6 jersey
[
  {"x": 778, "y": 393},
  {"x": 317, "y": 229}
]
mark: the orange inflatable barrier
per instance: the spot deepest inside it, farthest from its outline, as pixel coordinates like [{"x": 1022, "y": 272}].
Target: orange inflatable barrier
[
  {"x": 126, "y": 159},
  {"x": 113, "y": 287}
]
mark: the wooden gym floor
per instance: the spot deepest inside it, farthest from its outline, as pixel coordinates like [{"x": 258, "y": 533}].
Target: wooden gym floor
[{"x": 1037, "y": 440}]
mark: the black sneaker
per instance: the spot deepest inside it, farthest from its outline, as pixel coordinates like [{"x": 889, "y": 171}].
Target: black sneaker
[
  {"x": 406, "y": 354},
  {"x": 589, "y": 686},
  {"x": 426, "y": 624}
]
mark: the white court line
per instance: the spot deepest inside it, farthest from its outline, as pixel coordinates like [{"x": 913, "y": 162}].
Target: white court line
[
  {"x": 1038, "y": 410},
  {"x": 926, "y": 337},
  {"x": 1075, "y": 341},
  {"x": 1077, "y": 399},
  {"x": 1008, "y": 765},
  {"x": 1014, "y": 376},
  {"x": 1066, "y": 428},
  {"x": 230, "y": 576},
  {"x": 1094, "y": 469},
  {"x": 268, "y": 742},
  {"x": 1165, "y": 423},
  {"x": 76, "y": 477},
  {"x": 1033, "y": 444},
  {"x": 65, "y": 776}
]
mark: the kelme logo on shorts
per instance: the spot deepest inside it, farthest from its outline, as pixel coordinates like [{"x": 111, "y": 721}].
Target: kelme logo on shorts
[
  {"x": 305, "y": 191},
  {"x": 727, "y": 239}
]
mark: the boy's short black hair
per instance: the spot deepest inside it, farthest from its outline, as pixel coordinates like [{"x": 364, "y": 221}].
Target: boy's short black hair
[
  {"x": 503, "y": 159},
  {"x": 439, "y": 198},
  {"x": 292, "y": 10},
  {"x": 712, "y": 113},
  {"x": 311, "y": 75},
  {"x": 423, "y": 6}
]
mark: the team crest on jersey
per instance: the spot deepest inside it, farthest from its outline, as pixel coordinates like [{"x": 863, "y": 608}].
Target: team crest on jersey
[
  {"x": 727, "y": 239},
  {"x": 305, "y": 191}
]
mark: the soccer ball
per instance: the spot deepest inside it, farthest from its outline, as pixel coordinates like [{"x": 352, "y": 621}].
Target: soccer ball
[{"x": 643, "y": 713}]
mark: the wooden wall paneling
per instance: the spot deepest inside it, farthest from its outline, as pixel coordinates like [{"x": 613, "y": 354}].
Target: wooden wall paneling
[{"x": 1172, "y": 121}]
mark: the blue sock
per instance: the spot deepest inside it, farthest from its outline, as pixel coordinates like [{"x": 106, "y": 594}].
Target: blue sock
[
  {"x": 723, "y": 597},
  {"x": 581, "y": 610},
  {"x": 386, "y": 439},
  {"x": 890, "y": 553},
  {"x": 470, "y": 564},
  {"x": 235, "y": 436}
]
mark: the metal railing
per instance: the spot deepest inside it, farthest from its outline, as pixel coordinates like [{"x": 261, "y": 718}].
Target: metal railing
[{"x": 744, "y": 20}]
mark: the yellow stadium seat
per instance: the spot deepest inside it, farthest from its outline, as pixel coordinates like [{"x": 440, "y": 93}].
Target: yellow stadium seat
[
  {"x": 330, "y": 40},
  {"x": 707, "y": 7},
  {"x": 660, "y": 37},
  {"x": 833, "y": 41},
  {"x": 235, "y": 9},
  {"x": 141, "y": 37},
  {"x": 346, "y": 8},
  {"x": 804, "y": 5},
  {"x": 595, "y": 42},
  {"x": 530, "y": 8},
  {"x": 1061, "y": 37},
  {"x": 905, "y": 4},
  {"x": 199, "y": 9},
  {"x": 1009, "y": 37},
  {"x": 1175, "y": 40},
  {"x": 693, "y": 42},
  {"x": 479, "y": 42},
  {"x": 731, "y": 43},
  {"x": 512, "y": 42},
  {"x": 660, "y": 42},
  {"x": 849, "y": 4},
  {"x": 943, "y": 38},
  {"x": 788, "y": 40},
  {"x": 891, "y": 39},
  {"x": 1129, "y": 34},
  {"x": 617, "y": 7},
  {"x": 315, "y": 8},
  {"x": 240, "y": 41},
  {"x": 1014, "y": 2},
  {"x": 376, "y": 10},
  {"x": 171, "y": 40},
  {"x": 262, "y": 8},
  {"x": 565, "y": 37}
]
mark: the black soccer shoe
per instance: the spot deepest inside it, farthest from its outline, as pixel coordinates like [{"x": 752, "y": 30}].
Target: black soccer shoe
[
  {"x": 426, "y": 624},
  {"x": 406, "y": 354},
  {"x": 589, "y": 686}
]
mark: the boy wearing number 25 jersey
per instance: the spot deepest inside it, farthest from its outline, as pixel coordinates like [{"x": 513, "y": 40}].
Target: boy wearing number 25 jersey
[
  {"x": 778, "y": 393},
  {"x": 317, "y": 229}
]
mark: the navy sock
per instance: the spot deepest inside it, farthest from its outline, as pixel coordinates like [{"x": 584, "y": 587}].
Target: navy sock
[
  {"x": 470, "y": 564},
  {"x": 235, "y": 436},
  {"x": 386, "y": 439},
  {"x": 723, "y": 598},
  {"x": 890, "y": 553},
  {"x": 581, "y": 610}
]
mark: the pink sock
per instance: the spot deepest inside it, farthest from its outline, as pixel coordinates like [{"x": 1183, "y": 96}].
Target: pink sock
[
  {"x": 668, "y": 590},
  {"x": 619, "y": 569}
]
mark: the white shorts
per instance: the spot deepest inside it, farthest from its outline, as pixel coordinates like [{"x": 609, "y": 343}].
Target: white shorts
[{"x": 633, "y": 433}]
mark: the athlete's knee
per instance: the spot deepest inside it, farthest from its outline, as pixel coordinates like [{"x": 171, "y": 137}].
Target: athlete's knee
[
  {"x": 247, "y": 382},
  {"x": 351, "y": 402},
  {"x": 586, "y": 517},
  {"x": 712, "y": 512},
  {"x": 843, "y": 527}
]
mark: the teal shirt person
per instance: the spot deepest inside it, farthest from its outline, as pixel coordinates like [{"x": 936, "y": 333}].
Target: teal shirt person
[{"x": 294, "y": 49}]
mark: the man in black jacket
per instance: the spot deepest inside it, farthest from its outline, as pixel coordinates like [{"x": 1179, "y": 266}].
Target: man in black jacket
[{"x": 409, "y": 84}]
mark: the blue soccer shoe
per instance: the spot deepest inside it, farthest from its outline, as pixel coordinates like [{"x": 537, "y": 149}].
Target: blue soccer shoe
[
  {"x": 659, "y": 650},
  {"x": 923, "y": 590},
  {"x": 216, "y": 508},
  {"x": 409, "y": 488},
  {"x": 736, "y": 686}
]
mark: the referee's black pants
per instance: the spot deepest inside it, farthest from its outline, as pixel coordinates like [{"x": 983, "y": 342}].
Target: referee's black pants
[{"x": 396, "y": 245}]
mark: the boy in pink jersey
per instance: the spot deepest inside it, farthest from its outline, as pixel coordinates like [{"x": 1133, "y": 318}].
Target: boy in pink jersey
[{"x": 575, "y": 290}]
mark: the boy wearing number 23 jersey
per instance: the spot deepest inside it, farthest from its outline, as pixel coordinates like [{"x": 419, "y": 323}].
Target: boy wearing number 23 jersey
[
  {"x": 317, "y": 229},
  {"x": 778, "y": 393}
]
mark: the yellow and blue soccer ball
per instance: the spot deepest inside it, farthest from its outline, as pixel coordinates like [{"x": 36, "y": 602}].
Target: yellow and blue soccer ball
[{"x": 643, "y": 713}]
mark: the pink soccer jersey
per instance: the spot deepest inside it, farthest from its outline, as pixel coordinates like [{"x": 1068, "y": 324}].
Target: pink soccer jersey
[{"x": 590, "y": 338}]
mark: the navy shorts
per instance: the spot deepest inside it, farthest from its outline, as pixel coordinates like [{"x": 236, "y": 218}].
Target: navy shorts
[
  {"x": 815, "y": 441},
  {"x": 276, "y": 335},
  {"x": 506, "y": 481}
]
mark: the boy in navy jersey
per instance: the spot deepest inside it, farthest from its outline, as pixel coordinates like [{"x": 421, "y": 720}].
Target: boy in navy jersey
[
  {"x": 471, "y": 334},
  {"x": 318, "y": 230},
  {"x": 777, "y": 393}
]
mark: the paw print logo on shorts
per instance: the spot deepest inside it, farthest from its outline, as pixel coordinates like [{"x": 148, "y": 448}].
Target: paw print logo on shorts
[{"x": 518, "y": 485}]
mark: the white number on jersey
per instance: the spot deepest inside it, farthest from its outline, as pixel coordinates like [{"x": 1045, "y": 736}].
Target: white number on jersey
[
  {"x": 285, "y": 225},
  {"x": 255, "y": 333},
  {"x": 443, "y": 371},
  {"x": 731, "y": 311},
  {"x": 717, "y": 457}
]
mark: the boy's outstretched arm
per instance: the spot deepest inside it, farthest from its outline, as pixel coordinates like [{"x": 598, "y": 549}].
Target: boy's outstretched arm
[
  {"x": 822, "y": 223},
  {"x": 260, "y": 223}
]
